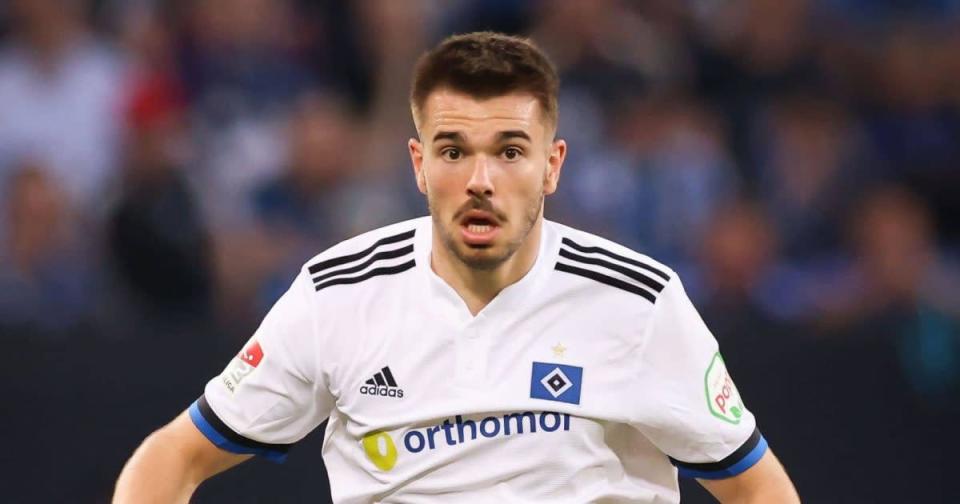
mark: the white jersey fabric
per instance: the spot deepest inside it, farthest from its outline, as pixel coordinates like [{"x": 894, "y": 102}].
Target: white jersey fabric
[{"x": 592, "y": 378}]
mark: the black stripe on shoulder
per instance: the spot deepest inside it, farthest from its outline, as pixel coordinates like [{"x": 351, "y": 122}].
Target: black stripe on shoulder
[
  {"x": 583, "y": 248},
  {"x": 379, "y": 256},
  {"x": 336, "y": 261},
  {"x": 229, "y": 433},
  {"x": 390, "y": 270},
  {"x": 729, "y": 460},
  {"x": 604, "y": 279},
  {"x": 636, "y": 275}
]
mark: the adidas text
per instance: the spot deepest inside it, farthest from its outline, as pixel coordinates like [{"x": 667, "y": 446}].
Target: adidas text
[{"x": 381, "y": 391}]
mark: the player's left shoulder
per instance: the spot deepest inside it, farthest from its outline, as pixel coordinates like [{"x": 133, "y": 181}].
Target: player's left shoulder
[
  {"x": 572, "y": 237},
  {"x": 609, "y": 263}
]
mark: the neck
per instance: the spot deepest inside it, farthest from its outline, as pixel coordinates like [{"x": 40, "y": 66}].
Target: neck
[{"x": 478, "y": 287}]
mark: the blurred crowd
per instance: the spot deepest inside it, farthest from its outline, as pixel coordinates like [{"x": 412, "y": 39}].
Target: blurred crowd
[{"x": 167, "y": 166}]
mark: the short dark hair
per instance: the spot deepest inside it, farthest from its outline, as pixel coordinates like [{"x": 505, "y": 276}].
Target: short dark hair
[{"x": 485, "y": 65}]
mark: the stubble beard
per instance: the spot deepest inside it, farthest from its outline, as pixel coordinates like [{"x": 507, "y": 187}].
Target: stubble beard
[{"x": 467, "y": 255}]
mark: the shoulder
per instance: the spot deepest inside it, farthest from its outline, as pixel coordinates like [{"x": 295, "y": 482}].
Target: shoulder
[
  {"x": 609, "y": 264},
  {"x": 384, "y": 251}
]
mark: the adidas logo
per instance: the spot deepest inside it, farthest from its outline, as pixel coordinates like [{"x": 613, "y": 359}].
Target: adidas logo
[{"x": 382, "y": 384}]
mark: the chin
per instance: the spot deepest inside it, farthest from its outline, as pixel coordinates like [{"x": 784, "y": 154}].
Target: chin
[{"x": 481, "y": 258}]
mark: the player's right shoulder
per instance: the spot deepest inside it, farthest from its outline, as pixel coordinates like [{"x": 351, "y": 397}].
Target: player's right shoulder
[{"x": 383, "y": 251}]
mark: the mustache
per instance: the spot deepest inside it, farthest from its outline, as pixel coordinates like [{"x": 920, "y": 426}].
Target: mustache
[{"x": 482, "y": 204}]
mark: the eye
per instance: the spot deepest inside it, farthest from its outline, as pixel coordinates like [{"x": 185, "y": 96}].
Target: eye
[
  {"x": 512, "y": 153},
  {"x": 451, "y": 154}
]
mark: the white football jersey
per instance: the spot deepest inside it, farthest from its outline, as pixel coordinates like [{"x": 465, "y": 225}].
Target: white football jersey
[{"x": 592, "y": 378}]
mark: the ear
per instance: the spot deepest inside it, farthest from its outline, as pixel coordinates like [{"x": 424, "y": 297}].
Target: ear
[
  {"x": 558, "y": 152},
  {"x": 416, "y": 157}
]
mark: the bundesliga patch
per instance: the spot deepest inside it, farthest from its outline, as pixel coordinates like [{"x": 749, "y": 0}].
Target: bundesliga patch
[
  {"x": 242, "y": 365},
  {"x": 722, "y": 396},
  {"x": 556, "y": 382}
]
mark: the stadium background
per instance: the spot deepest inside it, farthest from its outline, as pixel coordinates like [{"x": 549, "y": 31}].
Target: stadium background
[{"x": 165, "y": 167}]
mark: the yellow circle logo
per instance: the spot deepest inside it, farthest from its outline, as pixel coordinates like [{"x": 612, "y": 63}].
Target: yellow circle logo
[{"x": 380, "y": 450}]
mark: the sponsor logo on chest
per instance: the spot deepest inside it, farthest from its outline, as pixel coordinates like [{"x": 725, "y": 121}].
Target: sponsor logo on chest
[{"x": 383, "y": 452}]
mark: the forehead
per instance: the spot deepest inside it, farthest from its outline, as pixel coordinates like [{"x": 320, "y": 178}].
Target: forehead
[{"x": 448, "y": 110}]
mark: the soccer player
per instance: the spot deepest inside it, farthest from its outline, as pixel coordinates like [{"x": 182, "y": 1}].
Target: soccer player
[{"x": 482, "y": 353}]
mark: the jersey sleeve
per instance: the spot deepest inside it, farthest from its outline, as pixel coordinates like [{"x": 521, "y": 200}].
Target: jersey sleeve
[
  {"x": 693, "y": 413},
  {"x": 271, "y": 394}
]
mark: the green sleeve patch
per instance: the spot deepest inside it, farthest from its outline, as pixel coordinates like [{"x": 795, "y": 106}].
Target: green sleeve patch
[{"x": 723, "y": 399}]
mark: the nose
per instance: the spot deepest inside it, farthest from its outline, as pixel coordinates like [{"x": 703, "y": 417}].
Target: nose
[{"x": 480, "y": 184}]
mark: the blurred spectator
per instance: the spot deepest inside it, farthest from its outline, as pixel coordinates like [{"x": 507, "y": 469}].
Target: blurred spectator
[
  {"x": 507, "y": 16},
  {"x": 156, "y": 234},
  {"x": 664, "y": 171},
  {"x": 747, "y": 291},
  {"x": 243, "y": 59},
  {"x": 686, "y": 174},
  {"x": 243, "y": 67},
  {"x": 336, "y": 51},
  {"x": 321, "y": 196},
  {"x": 302, "y": 210},
  {"x": 394, "y": 35},
  {"x": 738, "y": 251},
  {"x": 902, "y": 290},
  {"x": 60, "y": 90},
  {"x": 911, "y": 122},
  {"x": 46, "y": 278},
  {"x": 810, "y": 167},
  {"x": 749, "y": 51},
  {"x": 611, "y": 48},
  {"x": 598, "y": 191},
  {"x": 301, "y": 202}
]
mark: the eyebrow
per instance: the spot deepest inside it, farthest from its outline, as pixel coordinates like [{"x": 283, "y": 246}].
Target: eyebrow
[
  {"x": 457, "y": 137},
  {"x": 454, "y": 136},
  {"x": 507, "y": 135}
]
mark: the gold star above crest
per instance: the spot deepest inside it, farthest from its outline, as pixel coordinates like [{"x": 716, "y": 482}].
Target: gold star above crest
[{"x": 559, "y": 350}]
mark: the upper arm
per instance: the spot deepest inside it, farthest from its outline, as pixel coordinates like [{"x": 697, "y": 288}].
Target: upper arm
[
  {"x": 698, "y": 418},
  {"x": 272, "y": 393},
  {"x": 692, "y": 410},
  {"x": 203, "y": 458},
  {"x": 765, "y": 482}
]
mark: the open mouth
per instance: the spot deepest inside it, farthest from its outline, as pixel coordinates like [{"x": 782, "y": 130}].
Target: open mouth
[{"x": 479, "y": 227}]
